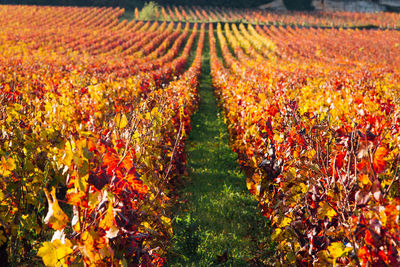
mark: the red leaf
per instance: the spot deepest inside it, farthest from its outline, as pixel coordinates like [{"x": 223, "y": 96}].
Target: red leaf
[
  {"x": 363, "y": 253},
  {"x": 339, "y": 162},
  {"x": 379, "y": 161},
  {"x": 369, "y": 238},
  {"x": 383, "y": 256},
  {"x": 110, "y": 161}
]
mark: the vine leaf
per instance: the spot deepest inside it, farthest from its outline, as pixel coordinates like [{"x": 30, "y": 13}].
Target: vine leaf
[
  {"x": 55, "y": 218},
  {"x": 55, "y": 253},
  {"x": 7, "y": 166},
  {"x": 379, "y": 161},
  {"x": 337, "y": 250},
  {"x": 326, "y": 210}
]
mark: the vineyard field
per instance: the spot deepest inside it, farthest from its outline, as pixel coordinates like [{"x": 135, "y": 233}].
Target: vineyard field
[
  {"x": 94, "y": 113},
  {"x": 316, "y": 128},
  {"x": 107, "y": 159},
  {"x": 265, "y": 17}
]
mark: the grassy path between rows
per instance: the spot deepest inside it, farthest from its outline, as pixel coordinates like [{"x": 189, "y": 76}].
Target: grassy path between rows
[{"x": 217, "y": 221}]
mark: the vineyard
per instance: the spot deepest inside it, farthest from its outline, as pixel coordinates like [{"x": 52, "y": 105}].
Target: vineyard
[
  {"x": 256, "y": 16},
  {"x": 98, "y": 119}
]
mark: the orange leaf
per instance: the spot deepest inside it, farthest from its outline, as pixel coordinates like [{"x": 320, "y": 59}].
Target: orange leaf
[
  {"x": 253, "y": 184},
  {"x": 55, "y": 217},
  {"x": 363, "y": 253},
  {"x": 111, "y": 161},
  {"x": 76, "y": 197},
  {"x": 6, "y": 166},
  {"x": 369, "y": 238},
  {"x": 364, "y": 179},
  {"x": 379, "y": 161}
]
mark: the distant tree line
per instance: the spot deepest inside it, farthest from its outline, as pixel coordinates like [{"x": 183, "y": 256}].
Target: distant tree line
[
  {"x": 129, "y": 4},
  {"x": 139, "y": 3}
]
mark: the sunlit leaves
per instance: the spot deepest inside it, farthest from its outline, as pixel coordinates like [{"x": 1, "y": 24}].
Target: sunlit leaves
[
  {"x": 94, "y": 248},
  {"x": 337, "y": 250},
  {"x": 121, "y": 121},
  {"x": 55, "y": 218},
  {"x": 55, "y": 253},
  {"x": 315, "y": 132},
  {"x": 98, "y": 115},
  {"x": 379, "y": 161},
  {"x": 325, "y": 210},
  {"x": 7, "y": 165}
]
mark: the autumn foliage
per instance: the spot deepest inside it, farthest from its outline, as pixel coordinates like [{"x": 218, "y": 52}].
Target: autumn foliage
[
  {"x": 94, "y": 114},
  {"x": 313, "y": 115},
  {"x": 95, "y": 111},
  {"x": 388, "y": 20}
]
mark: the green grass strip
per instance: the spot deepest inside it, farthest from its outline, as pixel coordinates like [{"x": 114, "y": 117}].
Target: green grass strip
[{"x": 218, "y": 222}]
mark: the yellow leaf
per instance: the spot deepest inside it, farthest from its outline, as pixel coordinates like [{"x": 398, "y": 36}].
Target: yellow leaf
[
  {"x": 108, "y": 220},
  {"x": 1, "y": 195},
  {"x": 123, "y": 122},
  {"x": 252, "y": 184},
  {"x": 48, "y": 253},
  {"x": 93, "y": 199},
  {"x": 277, "y": 232},
  {"x": 7, "y": 166},
  {"x": 285, "y": 222},
  {"x": 94, "y": 248},
  {"x": 55, "y": 217},
  {"x": 88, "y": 246},
  {"x": 364, "y": 179},
  {"x": 279, "y": 137},
  {"x": 303, "y": 187},
  {"x": 18, "y": 107},
  {"x": 325, "y": 210},
  {"x": 154, "y": 111},
  {"x": 55, "y": 253},
  {"x": 383, "y": 218},
  {"x": 75, "y": 197},
  {"x": 337, "y": 250},
  {"x": 166, "y": 220}
]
